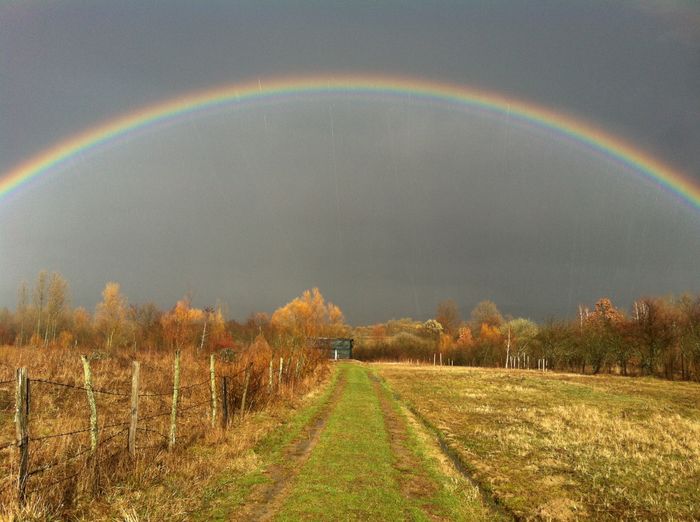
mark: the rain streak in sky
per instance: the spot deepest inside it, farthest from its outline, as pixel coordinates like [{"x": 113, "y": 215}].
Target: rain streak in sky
[{"x": 389, "y": 203}]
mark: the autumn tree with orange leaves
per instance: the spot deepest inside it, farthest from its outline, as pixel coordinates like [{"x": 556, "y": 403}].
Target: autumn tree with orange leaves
[
  {"x": 309, "y": 315},
  {"x": 180, "y": 324},
  {"x": 603, "y": 337},
  {"x": 111, "y": 315}
]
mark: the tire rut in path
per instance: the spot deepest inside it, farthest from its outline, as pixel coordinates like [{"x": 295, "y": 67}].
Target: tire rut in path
[
  {"x": 413, "y": 482},
  {"x": 450, "y": 455},
  {"x": 266, "y": 499}
]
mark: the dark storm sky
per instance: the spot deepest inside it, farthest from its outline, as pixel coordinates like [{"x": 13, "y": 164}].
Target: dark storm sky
[{"x": 389, "y": 206}]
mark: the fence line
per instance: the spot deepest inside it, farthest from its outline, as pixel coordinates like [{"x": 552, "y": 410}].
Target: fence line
[{"x": 178, "y": 409}]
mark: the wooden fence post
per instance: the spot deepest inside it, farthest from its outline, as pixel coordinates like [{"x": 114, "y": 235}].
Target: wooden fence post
[
  {"x": 245, "y": 388},
  {"x": 176, "y": 395},
  {"x": 271, "y": 371},
  {"x": 212, "y": 388},
  {"x": 281, "y": 366},
  {"x": 87, "y": 372},
  {"x": 22, "y": 432},
  {"x": 290, "y": 374},
  {"x": 135, "y": 382},
  {"x": 224, "y": 402}
]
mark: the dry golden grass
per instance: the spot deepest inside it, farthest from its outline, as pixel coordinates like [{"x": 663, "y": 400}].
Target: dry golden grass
[
  {"x": 65, "y": 488},
  {"x": 565, "y": 447}
]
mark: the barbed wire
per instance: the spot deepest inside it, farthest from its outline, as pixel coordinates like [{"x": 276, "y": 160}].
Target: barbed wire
[
  {"x": 194, "y": 385},
  {"x": 68, "y": 433},
  {"x": 56, "y": 482},
  {"x": 148, "y": 430},
  {"x": 170, "y": 391},
  {"x": 76, "y": 455},
  {"x": 56, "y": 435},
  {"x": 259, "y": 395},
  {"x": 154, "y": 416},
  {"x": 55, "y": 463},
  {"x": 65, "y": 385},
  {"x": 193, "y": 406},
  {"x": 156, "y": 394},
  {"x": 151, "y": 446}
]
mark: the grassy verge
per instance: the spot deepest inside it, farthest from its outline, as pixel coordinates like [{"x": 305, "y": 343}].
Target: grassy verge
[
  {"x": 564, "y": 447},
  {"x": 229, "y": 490},
  {"x": 452, "y": 496}
]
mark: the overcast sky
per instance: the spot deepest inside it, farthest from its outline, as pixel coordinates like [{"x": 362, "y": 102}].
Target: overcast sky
[{"x": 390, "y": 205}]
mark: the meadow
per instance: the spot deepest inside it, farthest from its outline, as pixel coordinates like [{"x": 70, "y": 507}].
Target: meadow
[
  {"x": 379, "y": 441},
  {"x": 564, "y": 446},
  {"x": 66, "y": 479}
]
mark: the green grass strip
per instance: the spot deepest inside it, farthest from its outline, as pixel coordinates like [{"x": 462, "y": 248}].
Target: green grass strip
[
  {"x": 350, "y": 473},
  {"x": 227, "y": 492}
]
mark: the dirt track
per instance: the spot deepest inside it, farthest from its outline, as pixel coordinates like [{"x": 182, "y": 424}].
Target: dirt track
[{"x": 363, "y": 456}]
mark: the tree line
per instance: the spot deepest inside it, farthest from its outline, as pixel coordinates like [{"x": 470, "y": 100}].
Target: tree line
[
  {"x": 657, "y": 336},
  {"x": 44, "y": 318}
]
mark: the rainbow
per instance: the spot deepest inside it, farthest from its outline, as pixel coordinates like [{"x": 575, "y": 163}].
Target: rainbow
[{"x": 613, "y": 147}]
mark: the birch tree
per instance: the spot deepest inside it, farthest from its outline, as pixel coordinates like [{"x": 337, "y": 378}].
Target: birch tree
[{"x": 110, "y": 315}]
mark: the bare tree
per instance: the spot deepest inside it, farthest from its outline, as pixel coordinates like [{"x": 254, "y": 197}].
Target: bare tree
[
  {"x": 22, "y": 310},
  {"x": 448, "y": 316},
  {"x": 39, "y": 301},
  {"x": 57, "y": 302}
]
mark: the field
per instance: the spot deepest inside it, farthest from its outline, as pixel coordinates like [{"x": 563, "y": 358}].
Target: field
[
  {"x": 67, "y": 478},
  {"x": 389, "y": 442},
  {"x": 565, "y": 447}
]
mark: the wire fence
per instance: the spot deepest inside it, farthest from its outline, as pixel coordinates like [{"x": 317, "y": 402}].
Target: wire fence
[{"x": 62, "y": 447}]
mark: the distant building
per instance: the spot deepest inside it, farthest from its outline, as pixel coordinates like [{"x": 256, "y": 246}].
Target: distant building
[{"x": 336, "y": 347}]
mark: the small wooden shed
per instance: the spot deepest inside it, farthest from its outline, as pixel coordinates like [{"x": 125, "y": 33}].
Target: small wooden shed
[{"x": 336, "y": 347}]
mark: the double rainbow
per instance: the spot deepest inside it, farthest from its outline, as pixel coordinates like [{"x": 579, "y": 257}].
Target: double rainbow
[{"x": 615, "y": 148}]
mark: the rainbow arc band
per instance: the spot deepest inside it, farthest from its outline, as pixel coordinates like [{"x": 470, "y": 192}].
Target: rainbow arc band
[{"x": 615, "y": 148}]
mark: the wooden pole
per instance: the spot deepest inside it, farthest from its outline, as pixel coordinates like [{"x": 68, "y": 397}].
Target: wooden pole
[
  {"x": 176, "y": 395},
  {"x": 508, "y": 349},
  {"x": 135, "y": 382},
  {"x": 271, "y": 373},
  {"x": 212, "y": 387},
  {"x": 280, "y": 375},
  {"x": 204, "y": 335},
  {"x": 245, "y": 388},
  {"x": 22, "y": 432},
  {"x": 224, "y": 402},
  {"x": 87, "y": 372}
]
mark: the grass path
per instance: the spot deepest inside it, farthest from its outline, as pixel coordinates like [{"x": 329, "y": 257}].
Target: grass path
[
  {"x": 353, "y": 453},
  {"x": 370, "y": 464}
]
